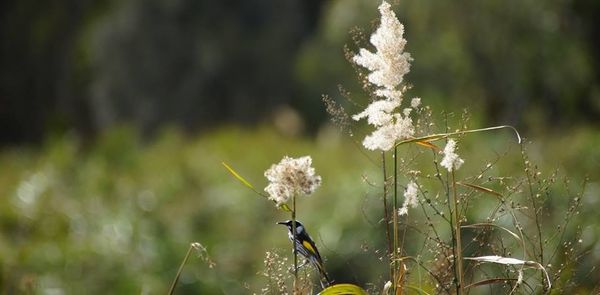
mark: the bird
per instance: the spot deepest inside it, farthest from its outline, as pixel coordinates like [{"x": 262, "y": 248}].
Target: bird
[{"x": 306, "y": 246}]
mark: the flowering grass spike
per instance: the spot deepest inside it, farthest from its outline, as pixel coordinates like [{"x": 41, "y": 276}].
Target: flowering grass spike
[
  {"x": 387, "y": 66},
  {"x": 389, "y": 63}
]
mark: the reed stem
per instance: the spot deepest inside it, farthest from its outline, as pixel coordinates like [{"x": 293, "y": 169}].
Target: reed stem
[
  {"x": 294, "y": 245},
  {"x": 458, "y": 246}
]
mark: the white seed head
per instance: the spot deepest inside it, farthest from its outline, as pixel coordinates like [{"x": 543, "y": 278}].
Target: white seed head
[
  {"x": 291, "y": 177},
  {"x": 415, "y": 102},
  {"x": 451, "y": 161},
  {"x": 389, "y": 63},
  {"x": 410, "y": 198}
]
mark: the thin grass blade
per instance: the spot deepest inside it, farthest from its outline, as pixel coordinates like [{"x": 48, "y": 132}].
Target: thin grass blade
[
  {"x": 428, "y": 144},
  {"x": 512, "y": 261},
  {"x": 439, "y": 136},
  {"x": 246, "y": 183}
]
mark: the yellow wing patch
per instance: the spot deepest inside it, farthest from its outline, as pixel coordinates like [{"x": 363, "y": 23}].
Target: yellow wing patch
[{"x": 308, "y": 246}]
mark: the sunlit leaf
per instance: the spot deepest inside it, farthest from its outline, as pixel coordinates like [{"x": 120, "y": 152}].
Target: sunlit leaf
[
  {"x": 435, "y": 137},
  {"x": 428, "y": 144},
  {"x": 512, "y": 261},
  {"x": 242, "y": 180},
  {"x": 481, "y": 188},
  {"x": 246, "y": 183},
  {"x": 343, "y": 289},
  {"x": 285, "y": 207},
  {"x": 421, "y": 291},
  {"x": 238, "y": 176},
  {"x": 498, "y": 259}
]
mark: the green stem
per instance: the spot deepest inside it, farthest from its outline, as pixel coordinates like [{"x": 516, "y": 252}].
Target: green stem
[
  {"x": 387, "y": 217},
  {"x": 395, "y": 219},
  {"x": 294, "y": 244},
  {"x": 185, "y": 259}
]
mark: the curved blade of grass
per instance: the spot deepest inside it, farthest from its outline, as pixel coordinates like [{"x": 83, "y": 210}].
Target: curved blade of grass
[
  {"x": 246, "y": 183},
  {"x": 485, "y": 224},
  {"x": 240, "y": 178},
  {"x": 439, "y": 136},
  {"x": 346, "y": 289},
  {"x": 512, "y": 261},
  {"x": 489, "y": 282},
  {"x": 481, "y": 188}
]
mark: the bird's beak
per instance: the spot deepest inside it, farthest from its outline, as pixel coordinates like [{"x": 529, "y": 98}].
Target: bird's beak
[{"x": 281, "y": 222}]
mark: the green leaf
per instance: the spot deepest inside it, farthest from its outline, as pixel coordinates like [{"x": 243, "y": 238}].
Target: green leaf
[
  {"x": 246, "y": 183},
  {"x": 238, "y": 176},
  {"x": 285, "y": 208},
  {"x": 345, "y": 289}
]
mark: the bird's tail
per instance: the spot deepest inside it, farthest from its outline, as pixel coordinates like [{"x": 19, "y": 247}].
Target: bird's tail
[{"x": 325, "y": 281}]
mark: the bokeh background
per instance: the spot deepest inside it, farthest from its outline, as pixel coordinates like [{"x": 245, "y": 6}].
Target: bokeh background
[{"x": 115, "y": 117}]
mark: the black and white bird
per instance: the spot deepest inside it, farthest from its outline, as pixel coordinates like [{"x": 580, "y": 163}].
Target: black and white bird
[{"x": 306, "y": 247}]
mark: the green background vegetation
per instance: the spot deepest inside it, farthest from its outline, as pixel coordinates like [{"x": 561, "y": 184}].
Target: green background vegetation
[{"x": 115, "y": 117}]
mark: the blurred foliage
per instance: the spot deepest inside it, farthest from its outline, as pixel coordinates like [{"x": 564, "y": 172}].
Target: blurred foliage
[
  {"x": 118, "y": 216},
  {"x": 87, "y": 65},
  {"x": 99, "y": 208}
]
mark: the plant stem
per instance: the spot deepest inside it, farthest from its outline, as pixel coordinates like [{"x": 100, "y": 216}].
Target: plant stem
[
  {"x": 537, "y": 212},
  {"x": 294, "y": 244},
  {"x": 387, "y": 217},
  {"x": 185, "y": 259},
  {"x": 395, "y": 219},
  {"x": 458, "y": 247}
]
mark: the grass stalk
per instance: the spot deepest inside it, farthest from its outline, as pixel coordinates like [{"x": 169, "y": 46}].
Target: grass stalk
[
  {"x": 537, "y": 211},
  {"x": 458, "y": 240},
  {"x": 185, "y": 259},
  {"x": 295, "y": 286},
  {"x": 397, "y": 269},
  {"x": 452, "y": 228},
  {"x": 387, "y": 218}
]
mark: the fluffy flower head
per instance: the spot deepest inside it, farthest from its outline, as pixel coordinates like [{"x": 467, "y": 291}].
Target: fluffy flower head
[
  {"x": 291, "y": 177},
  {"x": 384, "y": 137},
  {"x": 379, "y": 112},
  {"x": 389, "y": 63},
  {"x": 451, "y": 161}
]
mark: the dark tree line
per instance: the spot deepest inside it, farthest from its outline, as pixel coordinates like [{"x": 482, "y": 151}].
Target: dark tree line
[{"x": 86, "y": 65}]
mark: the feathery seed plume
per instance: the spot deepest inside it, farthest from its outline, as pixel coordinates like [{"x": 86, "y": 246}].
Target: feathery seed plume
[{"x": 291, "y": 177}]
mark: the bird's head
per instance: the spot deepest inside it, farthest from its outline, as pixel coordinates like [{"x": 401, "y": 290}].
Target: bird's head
[{"x": 289, "y": 224}]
